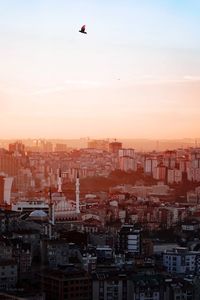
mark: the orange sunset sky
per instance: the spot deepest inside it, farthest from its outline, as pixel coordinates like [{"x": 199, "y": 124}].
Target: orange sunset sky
[{"x": 136, "y": 74}]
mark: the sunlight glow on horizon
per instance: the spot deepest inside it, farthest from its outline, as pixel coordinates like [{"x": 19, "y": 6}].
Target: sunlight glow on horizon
[{"x": 135, "y": 74}]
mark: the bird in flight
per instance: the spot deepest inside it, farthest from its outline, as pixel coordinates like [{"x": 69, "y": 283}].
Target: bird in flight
[{"x": 83, "y": 29}]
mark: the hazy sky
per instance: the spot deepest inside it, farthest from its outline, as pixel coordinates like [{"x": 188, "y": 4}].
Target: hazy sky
[{"x": 135, "y": 74}]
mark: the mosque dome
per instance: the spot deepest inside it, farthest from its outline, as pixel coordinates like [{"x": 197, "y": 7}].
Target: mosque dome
[{"x": 38, "y": 214}]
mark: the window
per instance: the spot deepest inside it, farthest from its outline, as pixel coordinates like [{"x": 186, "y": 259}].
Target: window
[{"x": 101, "y": 283}]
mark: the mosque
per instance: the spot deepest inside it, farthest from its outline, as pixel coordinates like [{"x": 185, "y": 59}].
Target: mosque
[
  {"x": 62, "y": 208},
  {"x": 57, "y": 208}
]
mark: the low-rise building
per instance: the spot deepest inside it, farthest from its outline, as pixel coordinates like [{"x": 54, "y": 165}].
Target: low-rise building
[
  {"x": 8, "y": 274},
  {"x": 182, "y": 261},
  {"x": 130, "y": 239},
  {"x": 69, "y": 283}
]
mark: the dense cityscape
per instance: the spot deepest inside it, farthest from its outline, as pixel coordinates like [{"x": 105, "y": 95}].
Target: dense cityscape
[
  {"x": 99, "y": 150},
  {"x": 100, "y": 222}
]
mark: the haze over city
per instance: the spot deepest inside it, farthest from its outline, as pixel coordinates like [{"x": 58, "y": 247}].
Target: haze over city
[{"x": 134, "y": 75}]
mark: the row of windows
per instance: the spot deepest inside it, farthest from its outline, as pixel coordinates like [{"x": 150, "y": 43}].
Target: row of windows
[
  {"x": 76, "y": 288},
  {"x": 71, "y": 295},
  {"x": 3, "y": 267}
]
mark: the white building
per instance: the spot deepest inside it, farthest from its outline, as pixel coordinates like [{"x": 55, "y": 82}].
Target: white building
[
  {"x": 182, "y": 261},
  {"x": 30, "y": 205},
  {"x": 7, "y": 189},
  {"x": 127, "y": 152},
  {"x": 127, "y": 163},
  {"x": 174, "y": 176},
  {"x": 150, "y": 164},
  {"x": 159, "y": 172},
  {"x": 193, "y": 174},
  {"x": 6, "y": 185}
]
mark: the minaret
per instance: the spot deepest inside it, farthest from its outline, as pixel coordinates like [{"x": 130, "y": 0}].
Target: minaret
[
  {"x": 77, "y": 194},
  {"x": 59, "y": 181}
]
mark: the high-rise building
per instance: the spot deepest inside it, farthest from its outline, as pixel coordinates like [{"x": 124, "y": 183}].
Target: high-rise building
[
  {"x": 5, "y": 190},
  {"x": 127, "y": 152},
  {"x": 98, "y": 144},
  {"x": 114, "y": 147},
  {"x": 8, "y": 164},
  {"x": 169, "y": 159},
  {"x": 160, "y": 172},
  {"x": 174, "y": 176},
  {"x": 17, "y": 147},
  {"x": 127, "y": 163},
  {"x": 127, "y": 160},
  {"x": 150, "y": 164}
]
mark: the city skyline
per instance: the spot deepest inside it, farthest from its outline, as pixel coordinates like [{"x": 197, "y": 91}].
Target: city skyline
[{"x": 135, "y": 74}]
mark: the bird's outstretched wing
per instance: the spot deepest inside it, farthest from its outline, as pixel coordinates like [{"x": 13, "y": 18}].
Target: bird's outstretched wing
[{"x": 83, "y": 28}]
